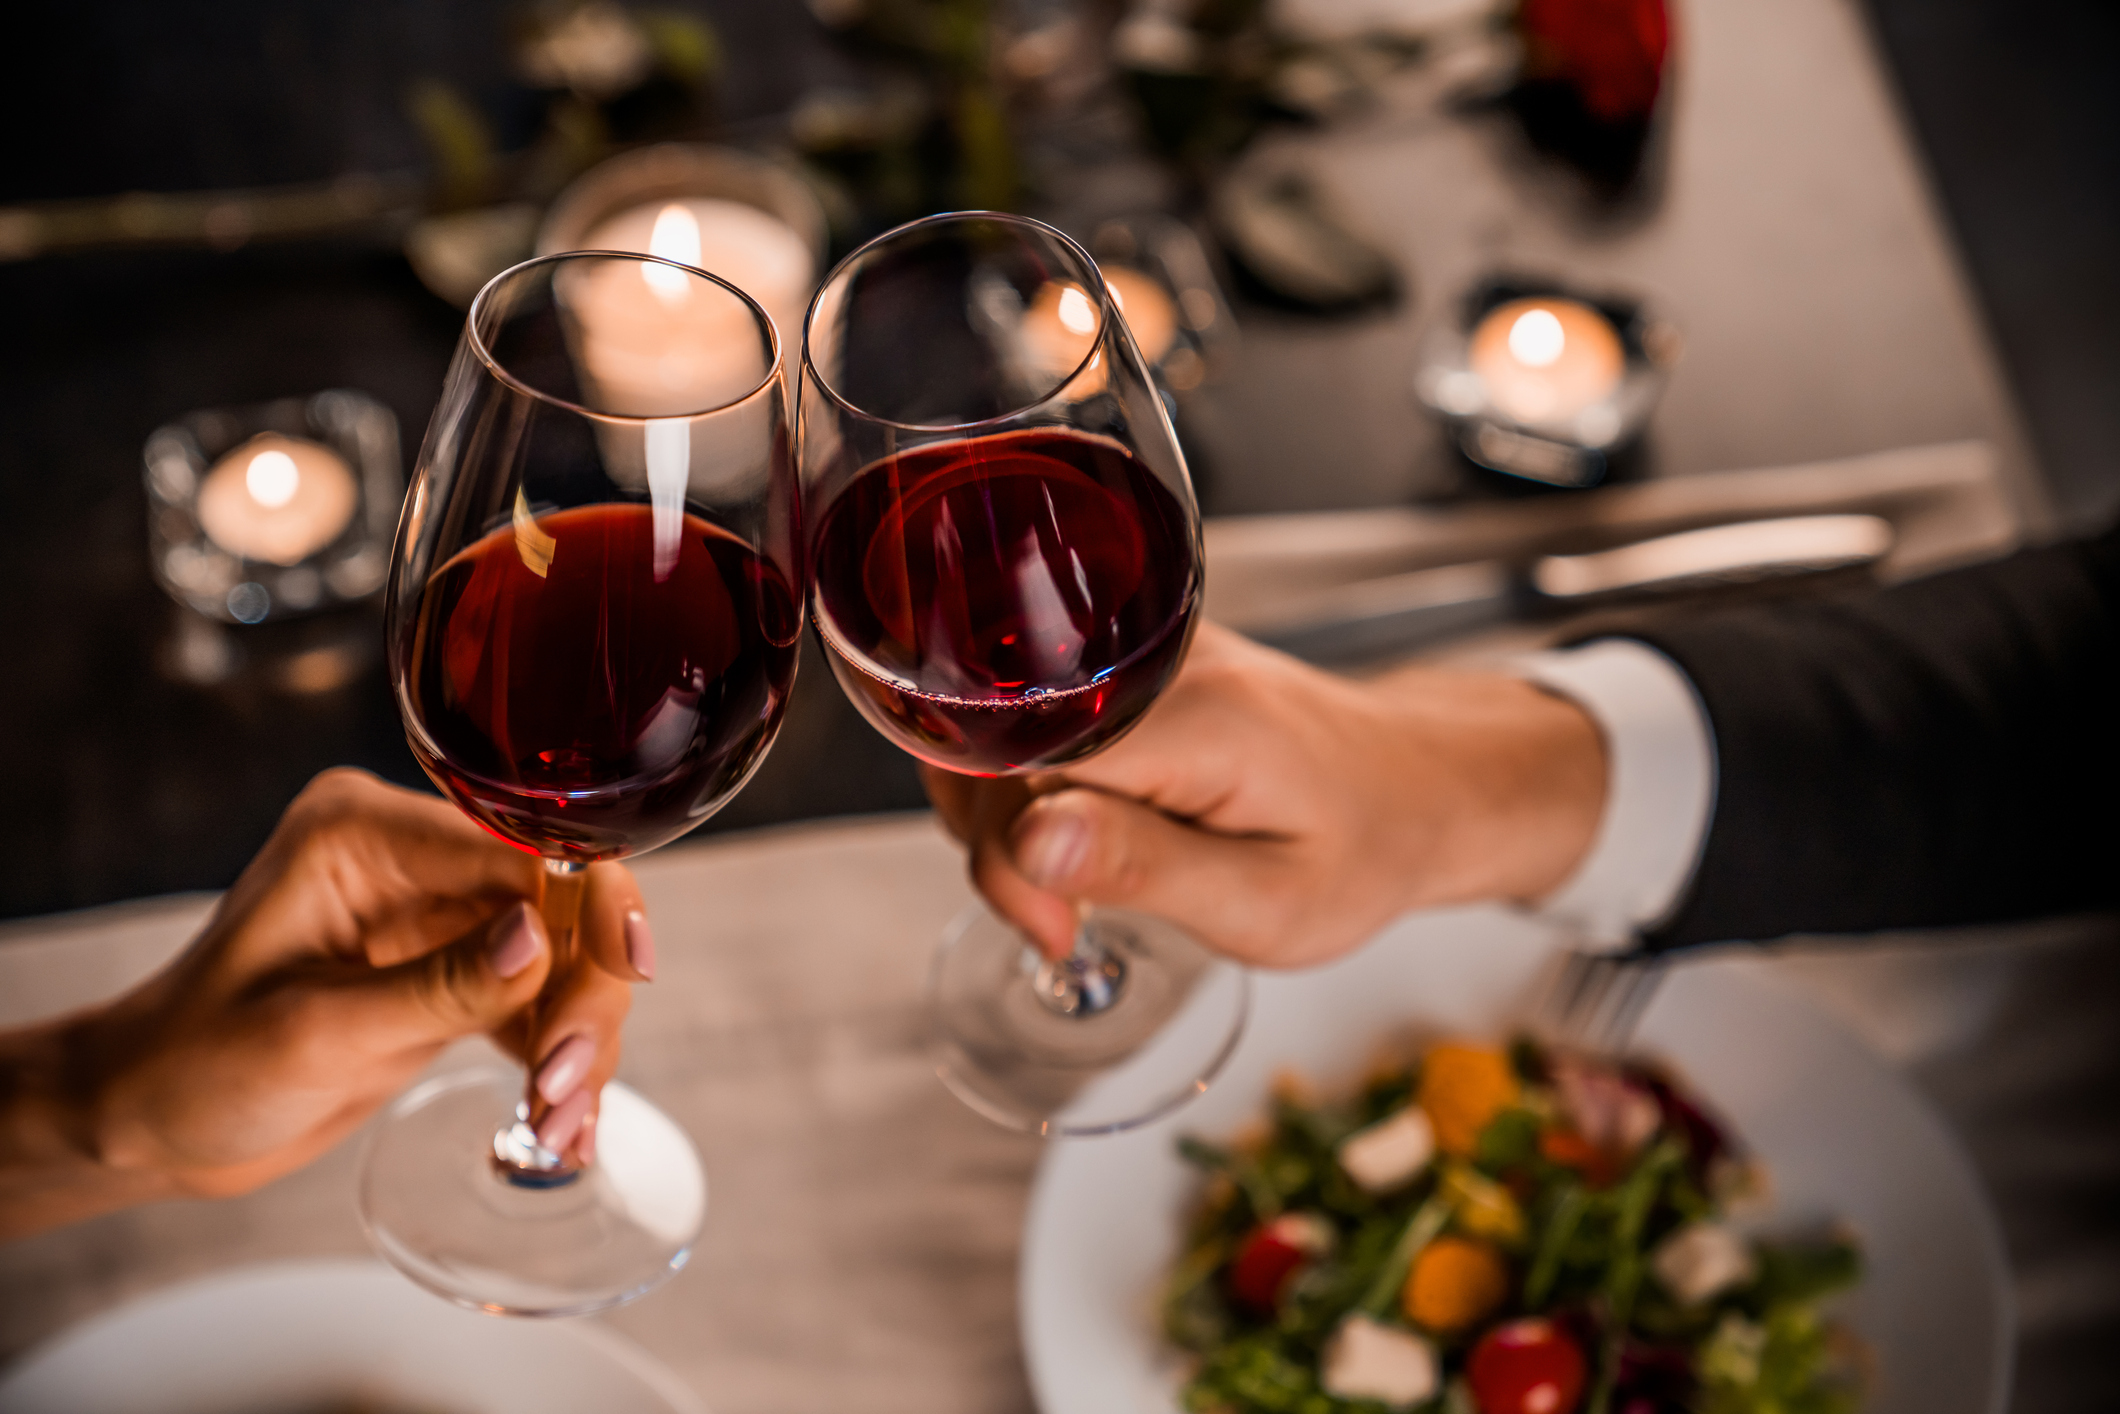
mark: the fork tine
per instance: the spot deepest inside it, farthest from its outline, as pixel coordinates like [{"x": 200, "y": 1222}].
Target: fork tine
[{"x": 1593, "y": 1001}]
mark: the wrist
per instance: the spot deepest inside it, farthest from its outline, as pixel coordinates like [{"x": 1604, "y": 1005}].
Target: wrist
[
  {"x": 1563, "y": 774},
  {"x": 1505, "y": 786},
  {"x": 56, "y": 1163}
]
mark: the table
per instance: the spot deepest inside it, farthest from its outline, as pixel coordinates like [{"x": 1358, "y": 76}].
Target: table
[
  {"x": 862, "y": 1225},
  {"x": 1795, "y": 244},
  {"x": 1826, "y": 316}
]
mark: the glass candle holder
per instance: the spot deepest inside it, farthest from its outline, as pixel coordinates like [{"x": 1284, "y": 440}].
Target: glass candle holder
[
  {"x": 274, "y": 510},
  {"x": 1543, "y": 381},
  {"x": 1167, "y": 293}
]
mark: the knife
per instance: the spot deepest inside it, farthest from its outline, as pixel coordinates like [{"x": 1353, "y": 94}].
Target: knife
[{"x": 1376, "y": 618}]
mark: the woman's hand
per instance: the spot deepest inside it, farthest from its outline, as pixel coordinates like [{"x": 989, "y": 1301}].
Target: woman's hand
[
  {"x": 375, "y": 927},
  {"x": 1284, "y": 814}
]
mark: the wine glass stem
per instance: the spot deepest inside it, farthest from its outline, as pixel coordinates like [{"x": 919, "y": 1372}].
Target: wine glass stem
[
  {"x": 516, "y": 1151},
  {"x": 1085, "y": 982}
]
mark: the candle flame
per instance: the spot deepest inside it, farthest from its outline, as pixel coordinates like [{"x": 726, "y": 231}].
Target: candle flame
[
  {"x": 1077, "y": 315},
  {"x": 1536, "y": 339},
  {"x": 675, "y": 237},
  {"x": 272, "y": 478}
]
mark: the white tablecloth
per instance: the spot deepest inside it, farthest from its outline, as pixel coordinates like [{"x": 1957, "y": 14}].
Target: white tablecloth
[{"x": 862, "y": 1228}]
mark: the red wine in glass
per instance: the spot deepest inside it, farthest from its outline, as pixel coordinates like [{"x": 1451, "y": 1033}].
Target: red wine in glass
[
  {"x": 1005, "y": 569},
  {"x": 595, "y": 600},
  {"x": 581, "y": 690},
  {"x": 1005, "y": 602}
]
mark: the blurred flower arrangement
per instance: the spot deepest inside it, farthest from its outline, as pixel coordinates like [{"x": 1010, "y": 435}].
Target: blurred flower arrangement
[
  {"x": 948, "y": 103},
  {"x": 933, "y": 128},
  {"x": 1592, "y": 77},
  {"x": 602, "y": 76}
]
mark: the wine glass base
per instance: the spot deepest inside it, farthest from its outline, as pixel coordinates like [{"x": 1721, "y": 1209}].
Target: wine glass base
[
  {"x": 1020, "y": 1061},
  {"x": 440, "y": 1210}
]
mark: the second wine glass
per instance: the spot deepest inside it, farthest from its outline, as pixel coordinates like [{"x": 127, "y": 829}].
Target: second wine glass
[
  {"x": 1006, "y": 569},
  {"x": 594, "y": 608}
]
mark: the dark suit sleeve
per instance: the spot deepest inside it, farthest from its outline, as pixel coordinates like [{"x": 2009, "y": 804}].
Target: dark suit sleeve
[{"x": 1937, "y": 753}]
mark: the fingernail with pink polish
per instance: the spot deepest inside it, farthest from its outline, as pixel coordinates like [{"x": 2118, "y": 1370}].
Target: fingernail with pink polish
[
  {"x": 563, "y": 1122},
  {"x": 1051, "y": 848},
  {"x": 563, "y": 1069},
  {"x": 518, "y": 938},
  {"x": 640, "y": 944},
  {"x": 585, "y": 1142}
]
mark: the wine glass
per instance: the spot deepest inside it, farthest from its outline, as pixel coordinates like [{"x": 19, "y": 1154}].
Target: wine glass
[
  {"x": 595, "y": 602},
  {"x": 1006, "y": 569}
]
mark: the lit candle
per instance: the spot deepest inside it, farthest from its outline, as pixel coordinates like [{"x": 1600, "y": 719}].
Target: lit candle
[
  {"x": 276, "y": 499},
  {"x": 656, "y": 342},
  {"x": 1061, "y": 323},
  {"x": 1546, "y": 360},
  {"x": 757, "y": 252},
  {"x": 1147, "y": 310}
]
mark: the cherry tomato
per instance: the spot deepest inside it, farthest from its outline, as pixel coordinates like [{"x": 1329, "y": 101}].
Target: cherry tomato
[
  {"x": 1273, "y": 1254},
  {"x": 1526, "y": 1367}
]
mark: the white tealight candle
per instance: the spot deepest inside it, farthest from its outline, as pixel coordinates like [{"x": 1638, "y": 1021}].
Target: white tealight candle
[
  {"x": 657, "y": 342},
  {"x": 1147, "y": 310},
  {"x": 753, "y": 250},
  {"x": 1061, "y": 323},
  {"x": 277, "y": 499},
  {"x": 1546, "y": 360}
]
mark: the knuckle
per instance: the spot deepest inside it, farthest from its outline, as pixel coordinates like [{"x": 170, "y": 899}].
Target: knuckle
[
  {"x": 444, "y": 990},
  {"x": 335, "y": 792}
]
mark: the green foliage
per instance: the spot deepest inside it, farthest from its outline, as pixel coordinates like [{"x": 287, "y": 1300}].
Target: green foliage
[
  {"x": 939, "y": 131},
  {"x": 1796, "y": 1272},
  {"x": 1786, "y": 1364},
  {"x": 686, "y": 47},
  {"x": 459, "y": 140},
  {"x": 1509, "y": 1142}
]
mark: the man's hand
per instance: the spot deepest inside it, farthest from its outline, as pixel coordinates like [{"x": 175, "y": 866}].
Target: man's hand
[
  {"x": 1284, "y": 814},
  {"x": 375, "y": 927}
]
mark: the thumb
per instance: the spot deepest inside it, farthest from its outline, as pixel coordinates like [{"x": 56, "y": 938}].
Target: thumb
[
  {"x": 1090, "y": 847},
  {"x": 474, "y": 984}
]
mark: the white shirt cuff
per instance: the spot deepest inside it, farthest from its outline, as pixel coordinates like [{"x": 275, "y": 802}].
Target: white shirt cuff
[{"x": 1660, "y": 795}]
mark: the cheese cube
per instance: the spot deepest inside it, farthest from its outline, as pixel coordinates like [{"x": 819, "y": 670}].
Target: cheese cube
[
  {"x": 1390, "y": 1152},
  {"x": 1702, "y": 1260},
  {"x": 1365, "y": 1359}
]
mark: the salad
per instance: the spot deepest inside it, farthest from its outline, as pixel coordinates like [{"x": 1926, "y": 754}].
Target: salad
[{"x": 1490, "y": 1231}]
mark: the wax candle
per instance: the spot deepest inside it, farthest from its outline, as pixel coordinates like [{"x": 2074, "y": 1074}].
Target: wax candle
[
  {"x": 277, "y": 499},
  {"x": 1147, "y": 309},
  {"x": 656, "y": 342},
  {"x": 1547, "y": 359},
  {"x": 1061, "y": 322},
  {"x": 753, "y": 250}
]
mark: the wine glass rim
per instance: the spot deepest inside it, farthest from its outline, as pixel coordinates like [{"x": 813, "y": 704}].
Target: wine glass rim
[
  {"x": 1009, "y": 218},
  {"x": 494, "y": 365}
]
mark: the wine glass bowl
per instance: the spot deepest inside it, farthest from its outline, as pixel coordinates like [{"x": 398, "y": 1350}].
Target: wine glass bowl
[
  {"x": 594, "y": 610},
  {"x": 1005, "y": 570},
  {"x": 592, "y": 628},
  {"x": 1007, "y": 552}
]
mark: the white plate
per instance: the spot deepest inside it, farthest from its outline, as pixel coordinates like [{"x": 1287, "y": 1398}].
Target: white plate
[
  {"x": 1843, "y": 1135},
  {"x": 309, "y": 1337}
]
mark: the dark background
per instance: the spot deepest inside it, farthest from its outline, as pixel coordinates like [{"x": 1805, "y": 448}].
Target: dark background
[{"x": 125, "y": 783}]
